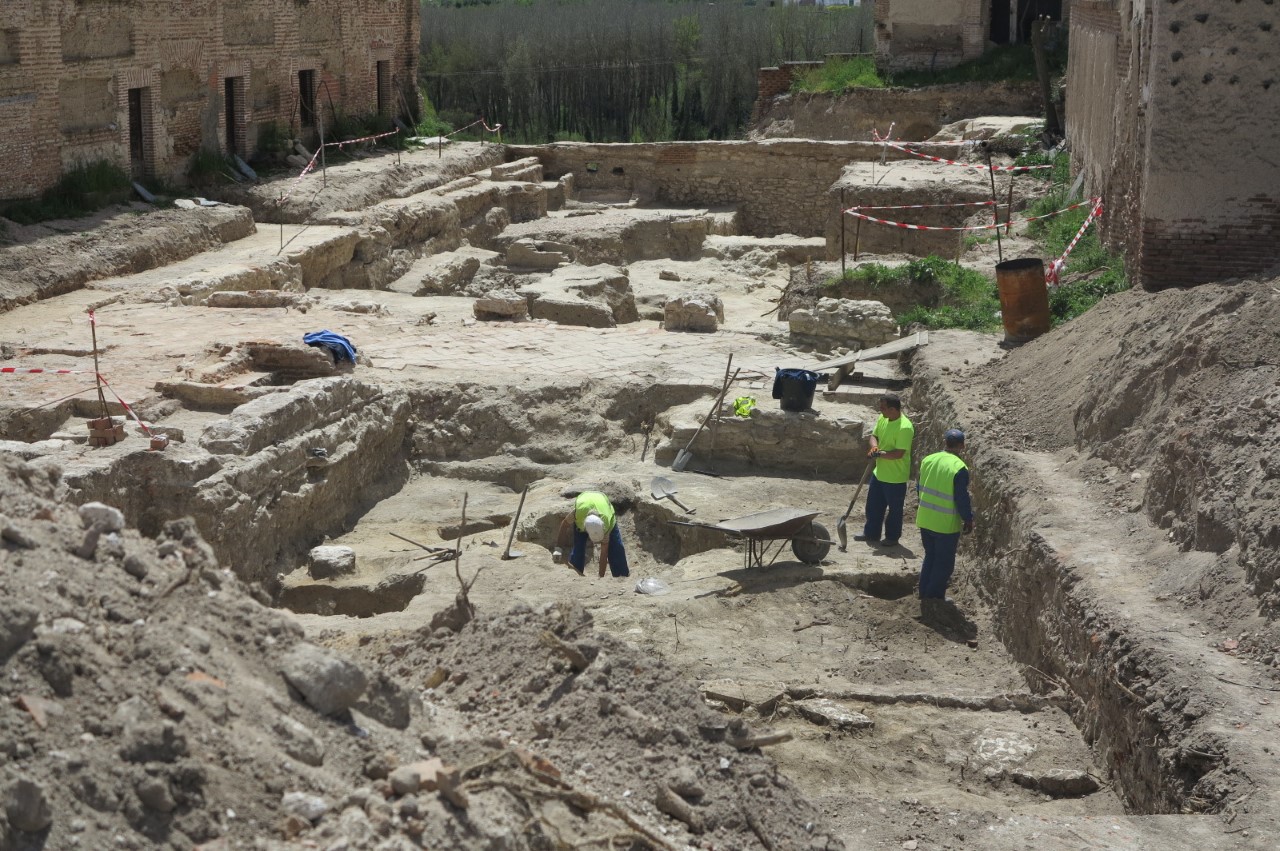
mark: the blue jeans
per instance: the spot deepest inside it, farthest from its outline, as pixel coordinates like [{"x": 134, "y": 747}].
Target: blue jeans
[
  {"x": 939, "y": 563},
  {"x": 617, "y": 555},
  {"x": 884, "y": 510}
]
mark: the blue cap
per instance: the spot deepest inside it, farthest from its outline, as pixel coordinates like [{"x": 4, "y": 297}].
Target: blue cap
[{"x": 953, "y": 435}]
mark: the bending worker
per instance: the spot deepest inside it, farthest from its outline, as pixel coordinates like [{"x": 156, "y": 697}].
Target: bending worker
[
  {"x": 944, "y": 512},
  {"x": 594, "y": 519},
  {"x": 887, "y": 491}
]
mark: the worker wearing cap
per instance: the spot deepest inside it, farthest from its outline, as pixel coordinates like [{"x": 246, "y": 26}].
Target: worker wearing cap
[
  {"x": 945, "y": 511},
  {"x": 887, "y": 491},
  {"x": 593, "y": 519}
]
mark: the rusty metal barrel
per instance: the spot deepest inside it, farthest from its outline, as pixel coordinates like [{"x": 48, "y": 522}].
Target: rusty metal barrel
[{"x": 1024, "y": 299}]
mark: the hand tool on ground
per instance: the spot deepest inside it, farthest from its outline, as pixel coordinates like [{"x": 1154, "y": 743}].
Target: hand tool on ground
[
  {"x": 841, "y": 532},
  {"x": 684, "y": 456},
  {"x": 663, "y": 488},
  {"x": 509, "y": 553},
  {"x": 437, "y": 550}
]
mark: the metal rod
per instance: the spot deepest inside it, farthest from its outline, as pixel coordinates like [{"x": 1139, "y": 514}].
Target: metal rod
[
  {"x": 323, "y": 169},
  {"x": 716, "y": 422},
  {"x": 857, "y": 239},
  {"x": 1008, "y": 207}
]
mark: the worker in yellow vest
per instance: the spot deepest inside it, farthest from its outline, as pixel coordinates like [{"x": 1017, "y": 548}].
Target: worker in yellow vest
[
  {"x": 592, "y": 519},
  {"x": 887, "y": 491},
  {"x": 945, "y": 511}
]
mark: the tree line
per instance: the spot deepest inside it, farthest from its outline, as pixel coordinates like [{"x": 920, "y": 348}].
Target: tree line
[{"x": 619, "y": 70}]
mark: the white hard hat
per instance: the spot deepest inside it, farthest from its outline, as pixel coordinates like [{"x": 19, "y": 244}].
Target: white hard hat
[{"x": 594, "y": 527}]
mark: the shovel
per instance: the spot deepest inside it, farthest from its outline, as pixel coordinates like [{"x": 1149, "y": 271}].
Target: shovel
[
  {"x": 509, "y": 553},
  {"x": 684, "y": 456},
  {"x": 840, "y": 524},
  {"x": 664, "y": 488}
]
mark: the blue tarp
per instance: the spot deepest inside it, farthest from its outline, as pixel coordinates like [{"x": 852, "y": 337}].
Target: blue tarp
[{"x": 339, "y": 346}]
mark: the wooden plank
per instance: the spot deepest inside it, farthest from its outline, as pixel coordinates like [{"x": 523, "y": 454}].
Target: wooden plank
[{"x": 894, "y": 347}]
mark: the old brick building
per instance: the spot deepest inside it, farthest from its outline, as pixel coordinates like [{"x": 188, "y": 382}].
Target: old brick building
[
  {"x": 1174, "y": 109},
  {"x": 928, "y": 34},
  {"x": 146, "y": 83}
]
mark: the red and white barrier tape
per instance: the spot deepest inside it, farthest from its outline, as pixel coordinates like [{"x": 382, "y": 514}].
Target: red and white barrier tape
[
  {"x": 298, "y": 180},
  {"x": 977, "y": 166},
  {"x": 479, "y": 121},
  {"x": 853, "y": 211},
  {"x": 21, "y": 370},
  {"x": 1054, "y": 272},
  {"x": 926, "y": 206},
  {"x": 361, "y": 139}
]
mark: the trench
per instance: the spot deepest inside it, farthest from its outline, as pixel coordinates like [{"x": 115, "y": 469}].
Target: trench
[{"x": 1025, "y": 700}]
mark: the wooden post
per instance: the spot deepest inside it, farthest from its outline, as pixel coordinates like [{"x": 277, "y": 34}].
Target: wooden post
[
  {"x": 842, "y": 218},
  {"x": 1008, "y": 207},
  {"x": 857, "y": 239},
  {"x": 97, "y": 377},
  {"x": 324, "y": 171},
  {"x": 995, "y": 204},
  {"x": 1051, "y": 123}
]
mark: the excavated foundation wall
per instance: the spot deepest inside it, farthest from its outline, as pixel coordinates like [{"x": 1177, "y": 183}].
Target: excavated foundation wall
[
  {"x": 914, "y": 114},
  {"x": 1054, "y": 622},
  {"x": 779, "y": 186},
  {"x": 260, "y": 496}
]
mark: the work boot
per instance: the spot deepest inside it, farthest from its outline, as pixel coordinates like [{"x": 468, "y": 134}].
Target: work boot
[{"x": 865, "y": 539}]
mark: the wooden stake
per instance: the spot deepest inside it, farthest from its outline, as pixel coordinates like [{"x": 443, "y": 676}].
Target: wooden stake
[
  {"x": 857, "y": 239},
  {"x": 842, "y": 218},
  {"x": 995, "y": 204},
  {"x": 97, "y": 377}
]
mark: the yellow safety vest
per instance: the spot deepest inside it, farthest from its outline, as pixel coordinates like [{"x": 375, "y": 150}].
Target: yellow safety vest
[
  {"x": 937, "y": 511},
  {"x": 589, "y": 501}
]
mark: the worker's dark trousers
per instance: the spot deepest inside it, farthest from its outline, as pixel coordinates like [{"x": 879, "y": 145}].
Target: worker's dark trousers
[
  {"x": 939, "y": 563},
  {"x": 617, "y": 554},
  {"x": 884, "y": 510}
]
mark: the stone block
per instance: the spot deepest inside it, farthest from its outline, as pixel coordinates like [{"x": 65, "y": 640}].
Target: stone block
[
  {"x": 843, "y": 322},
  {"x": 694, "y": 311},
  {"x": 331, "y": 562},
  {"x": 501, "y": 304},
  {"x": 533, "y": 254},
  {"x": 823, "y": 711}
]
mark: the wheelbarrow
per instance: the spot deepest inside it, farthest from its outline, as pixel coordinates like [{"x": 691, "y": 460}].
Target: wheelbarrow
[{"x": 810, "y": 541}]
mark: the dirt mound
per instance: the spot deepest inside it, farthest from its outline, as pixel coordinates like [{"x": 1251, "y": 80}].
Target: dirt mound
[
  {"x": 613, "y": 727},
  {"x": 1179, "y": 389},
  {"x": 149, "y": 701}
]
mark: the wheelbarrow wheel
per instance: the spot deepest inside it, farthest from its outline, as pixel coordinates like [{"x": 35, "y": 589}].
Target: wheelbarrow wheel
[{"x": 813, "y": 547}]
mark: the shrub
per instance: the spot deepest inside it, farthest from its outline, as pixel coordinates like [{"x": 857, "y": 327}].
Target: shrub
[
  {"x": 839, "y": 75},
  {"x": 82, "y": 190}
]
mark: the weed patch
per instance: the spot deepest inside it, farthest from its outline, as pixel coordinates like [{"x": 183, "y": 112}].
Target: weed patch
[
  {"x": 83, "y": 190},
  {"x": 968, "y": 299}
]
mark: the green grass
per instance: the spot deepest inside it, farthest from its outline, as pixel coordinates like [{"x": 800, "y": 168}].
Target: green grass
[
  {"x": 839, "y": 75},
  {"x": 1068, "y": 301},
  {"x": 1009, "y": 63},
  {"x": 968, "y": 299},
  {"x": 210, "y": 167},
  {"x": 81, "y": 191}
]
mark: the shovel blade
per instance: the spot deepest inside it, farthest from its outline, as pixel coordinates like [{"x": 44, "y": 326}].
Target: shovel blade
[
  {"x": 843, "y": 533},
  {"x": 682, "y": 459},
  {"x": 510, "y": 554}
]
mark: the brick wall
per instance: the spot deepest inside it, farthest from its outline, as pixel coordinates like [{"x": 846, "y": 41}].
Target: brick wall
[
  {"x": 919, "y": 34},
  {"x": 1171, "y": 113},
  {"x": 180, "y": 55}
]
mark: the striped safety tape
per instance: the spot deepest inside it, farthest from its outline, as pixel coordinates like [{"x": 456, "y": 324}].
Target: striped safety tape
[
  {"x": 126, "y": 407},
  {"x": 35, "y": 370},
  {"x": 1054, "y": 272},
  {"x": 977, "y": 166},
  {"x": 853, "y": 211},
  {"x": 926, "y": 206}
]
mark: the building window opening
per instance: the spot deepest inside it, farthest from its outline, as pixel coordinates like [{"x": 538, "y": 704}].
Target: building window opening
[
  {"x": 234, "y": 99},
  {"x": 307, "y": 98},
  {"x": 384, "y": 87},
  {"x": 139, "y": 143}
]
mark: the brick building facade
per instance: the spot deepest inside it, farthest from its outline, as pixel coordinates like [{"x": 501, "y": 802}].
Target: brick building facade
[
  {"x": 935, "y": 34},
  {"x": 147, "y": 83},
  {"x": 1174, "y": 109}
]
